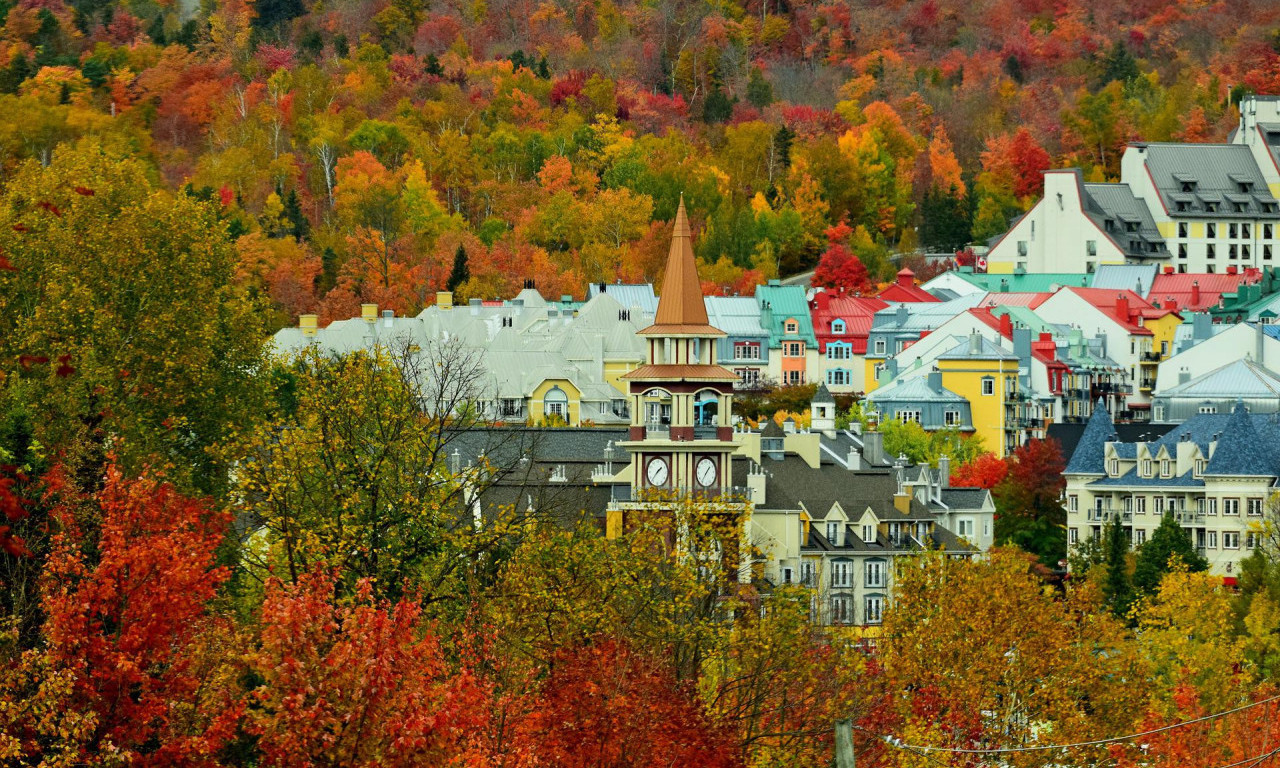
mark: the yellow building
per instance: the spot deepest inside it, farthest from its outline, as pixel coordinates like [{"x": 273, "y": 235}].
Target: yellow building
[{"x": 987, "y": 376}]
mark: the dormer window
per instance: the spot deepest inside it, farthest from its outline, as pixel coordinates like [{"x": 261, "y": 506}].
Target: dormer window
[
  {"x": 1113, "y": 467},
  {"x": 1166, "y": 468},
  {"x": 837, "y": 326},
  {"x": 868, "y": 534},
  {"x": 1146, "y": 467},
  {"x": 1246, "y": 187},
  {"x": 1188, "y": 185},
  {"x": 791, "y": 326},
  {"x": 1199, "y": 467},
  {"x": 833, "y": 531}
]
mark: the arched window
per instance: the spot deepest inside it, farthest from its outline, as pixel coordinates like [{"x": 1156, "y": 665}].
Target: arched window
[{"x": 556, "y": 402}]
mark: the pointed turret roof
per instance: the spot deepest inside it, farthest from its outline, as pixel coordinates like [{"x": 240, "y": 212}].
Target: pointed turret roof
[
  {"x": 681, "y": 310},
  {"x": 1091, "y": 452},
  {"x": 1239, "y": 451}
]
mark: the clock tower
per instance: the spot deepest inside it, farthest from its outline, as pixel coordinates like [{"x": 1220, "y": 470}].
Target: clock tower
[{"x": 681, "y": 438}]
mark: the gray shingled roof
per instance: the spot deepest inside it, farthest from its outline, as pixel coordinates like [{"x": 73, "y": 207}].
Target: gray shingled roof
[
  {"x": 1090, "y": 454},
  {"x": 1126, "y": 220},
  {"x": 823, "y": 395},
  {"x": 1214, "y": 174},
  {"x": 1240, "y": 451}
]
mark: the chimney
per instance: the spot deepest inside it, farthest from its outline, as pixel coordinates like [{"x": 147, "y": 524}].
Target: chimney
[
  {"x": 444, "y": 299},
  {"x": 935, "y": 381},
  {"x": 902, "y": 500},
  {"x": 1122, "y": 307},
  {"x": 1006, "y": 325},
  {"x": 873, "y": 448},
  {"x": 854, "y": 460},
  {"x": 474, "y": 305},
  {"x": 309, "y": 324},
  {"x": 944, "y": 471},
  {"x": 1171, "y": 304},
  {"x": 1004, "y": 285},
  {"x": 1168, "y": 270},
  {"x": 387, "y": 316},
  {"x": 1184, "y": 375},
  {"x": 1233, "y": 270},
  {"x": 975, "y": 342},
  {"x": 1195, "y": 294},
  {"x": 822, "y": 300},
  {"x": 906, "y": 278},
  {"x": 1022, "y": 344},
  {"x": 901, "y": 315},
  {"x": 369, "y": 313},
  {"x": 1201, "y": 325}
]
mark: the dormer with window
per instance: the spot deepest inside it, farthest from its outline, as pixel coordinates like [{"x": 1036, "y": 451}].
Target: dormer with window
[
  {"x": 1166, "y": 468},
  {"x": 837, "y": 326},
  {"x": 791, "y": 326},
  {"x": 1146, "y": 468},
  {"x": 1113, "y": 467}
]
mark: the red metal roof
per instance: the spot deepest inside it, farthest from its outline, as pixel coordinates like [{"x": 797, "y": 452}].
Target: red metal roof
[
  {"x": 1125, "y": 307},
  {"x": 905, "y": 289},
  {"x": 1014, "y": 299},
  {"x": 857, "y": 313},
  {"x": 1198, "y": 292}
]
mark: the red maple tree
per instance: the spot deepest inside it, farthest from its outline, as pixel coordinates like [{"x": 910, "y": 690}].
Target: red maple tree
[
  {"x": 607, "y": 706},
  {"x": 985, "y": 471},
  {"x": 838, "y": 267},
  {"x": 123, "y": 613}
]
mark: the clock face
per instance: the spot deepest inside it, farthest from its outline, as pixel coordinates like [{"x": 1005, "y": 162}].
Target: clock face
[
  {"x": 705, "y": 472},
  {"x": 656, "y": 471}
]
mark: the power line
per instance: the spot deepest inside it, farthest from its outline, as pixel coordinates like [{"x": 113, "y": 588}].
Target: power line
[
  {"x": 1253, "y": 762},
  {"x": 1097, "y": 742}
]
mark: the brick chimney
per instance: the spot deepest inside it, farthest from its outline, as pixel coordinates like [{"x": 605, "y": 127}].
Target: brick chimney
[
  {"x": 1122, "y": 307},
  {"x": 1006, "y": 325}
]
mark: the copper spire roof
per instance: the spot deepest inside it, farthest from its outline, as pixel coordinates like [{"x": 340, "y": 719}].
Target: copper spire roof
[{"x": 681, "y": 309}]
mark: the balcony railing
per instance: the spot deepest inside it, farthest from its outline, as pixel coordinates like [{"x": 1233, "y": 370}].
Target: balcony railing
[
  {"x": 1106, "y": 514},
  {"x": 1150, "y": 357},
  {"x": 1148, "y": 384},
  {"x": 704, "y": 432},
  {"x": 657, "y": 430},
  {"x": 1187, "y": 517}
]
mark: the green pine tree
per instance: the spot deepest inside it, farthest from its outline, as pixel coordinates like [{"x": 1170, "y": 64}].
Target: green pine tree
[
  {"x": 1117, "y": 588},
  {"x": 759, "y": 90},
  {"x": 1169, "y": 540},
  {"x": 461, "y": 273}
]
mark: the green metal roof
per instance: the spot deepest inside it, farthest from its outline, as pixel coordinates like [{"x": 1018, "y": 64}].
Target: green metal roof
[
  {"x": 1024, "y": 283},
  {"x": 778, "y": 303}
]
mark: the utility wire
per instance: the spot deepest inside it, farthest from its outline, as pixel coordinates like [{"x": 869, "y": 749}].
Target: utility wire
[{"x": 1097, "y": 742}]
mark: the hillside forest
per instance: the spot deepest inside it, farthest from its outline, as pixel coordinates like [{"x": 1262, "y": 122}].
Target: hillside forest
[{"x": 356, "y": 151}]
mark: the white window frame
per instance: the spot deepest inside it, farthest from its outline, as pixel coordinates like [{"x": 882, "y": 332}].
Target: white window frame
[
  {"x": 840, "y": 573},
  {"x": 874, "y": 574},
  {"x": 873, "y": 609},
  {"x": 988, "y": 385},
  {"x": 1253, "y": 507},
  {"x": 1230, "y": 539},
  {"x": 1231, "y": 506}
]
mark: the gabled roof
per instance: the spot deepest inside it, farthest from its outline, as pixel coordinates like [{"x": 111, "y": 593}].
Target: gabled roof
[
  {"x": 857, "y": 312},
  {"x": 1109, "y": 302},
  {"x": 681, "y": 309},
  {"x": 1129, "y": 277},
  {"x": 1239, "y": 378},
  {"x": 905, "y": 289},
  {"x": 779, "y": 303},
  {"x": 1089, "y": 456},
  {"x": 823, "y": 395},
  {"x": 977, "y": 348},
  {"x": 914, "y": 389}
]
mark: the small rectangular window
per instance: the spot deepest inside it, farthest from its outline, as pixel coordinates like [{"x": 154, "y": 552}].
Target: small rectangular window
[
  {"x": 1231, "y": 506},
  {"x": 1182, "y": 229},
  {"x": 1230, "y": 540},
  {"x": 1211, "y": 230},
  {"x": 988, "y": 386},
  {"x": 1073, "y": 536},
  {"x": 1210, "y": 252},
  {"x": 1254, "y": 507},
  {"x": 1212, "y": 540}
]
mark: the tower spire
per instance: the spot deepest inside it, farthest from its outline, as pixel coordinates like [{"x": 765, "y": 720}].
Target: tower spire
[{"x": 680, "y": 308}]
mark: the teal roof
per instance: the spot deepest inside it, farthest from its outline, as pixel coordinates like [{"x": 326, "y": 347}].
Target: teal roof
[
  {"x": 1025, "y": 283},
  {"x": 778, "y": 303}
]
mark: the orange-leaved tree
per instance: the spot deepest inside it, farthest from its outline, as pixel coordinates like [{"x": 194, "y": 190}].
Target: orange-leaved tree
[
  {"x": 606, "y": 705},
  {"x": 126, "y": 611},
  {"x": 356, "y": 682}
]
